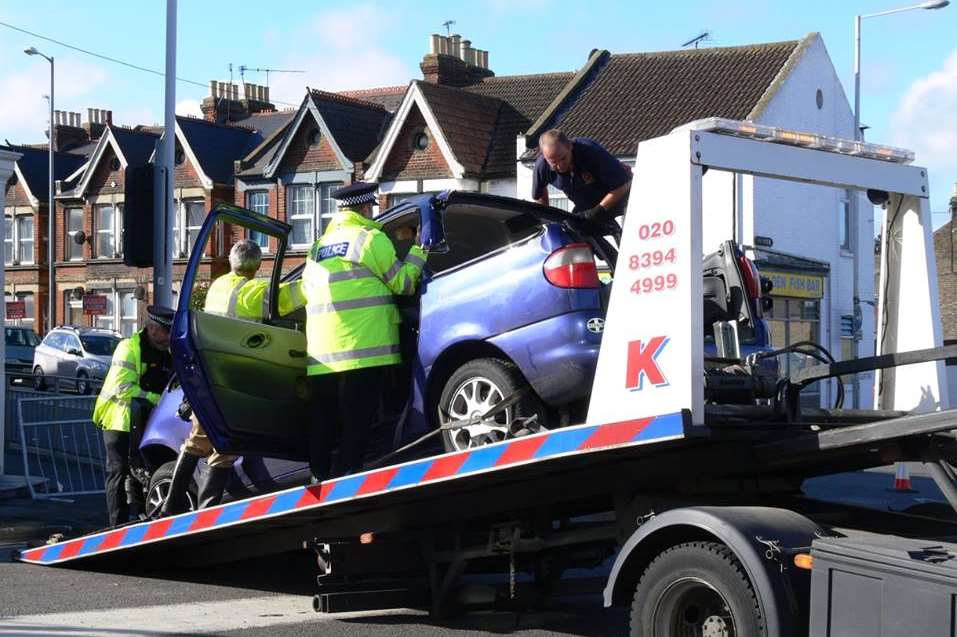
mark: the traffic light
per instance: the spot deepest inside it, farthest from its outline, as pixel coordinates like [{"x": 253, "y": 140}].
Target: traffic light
[{"x": 138, "y": 210}]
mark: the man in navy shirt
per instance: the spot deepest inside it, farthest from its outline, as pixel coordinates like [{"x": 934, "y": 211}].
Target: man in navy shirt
[{"x": 590, "y": 176}]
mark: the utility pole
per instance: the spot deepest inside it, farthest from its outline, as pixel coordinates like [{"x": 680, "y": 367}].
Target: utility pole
[{"x": 162, "y": 220}]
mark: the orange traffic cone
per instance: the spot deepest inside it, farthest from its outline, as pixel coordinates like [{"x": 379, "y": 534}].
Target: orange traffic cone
[{"x": 902, "y": 482}]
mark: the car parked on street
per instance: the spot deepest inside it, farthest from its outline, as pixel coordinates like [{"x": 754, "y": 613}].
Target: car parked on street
[
  {"x": 510, "y": 300},
  {"x": 20, "y": 343},
  {"x": 82, "y": 354}
]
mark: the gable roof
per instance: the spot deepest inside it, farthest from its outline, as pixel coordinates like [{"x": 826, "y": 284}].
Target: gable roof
[
  {"x": 476, "y": 126},
  {"x": 214, "y": 147},
  {"x": 132, "y": 147},
  {"x": 352, "y": 126},
  {"x": 638, "y": 96},
  {"x": 33, "y": 169}
]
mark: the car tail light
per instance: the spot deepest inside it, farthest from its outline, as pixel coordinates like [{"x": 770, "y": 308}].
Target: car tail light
[
  {"x": 572, "y": 267},
  {"x": 752, "y": 280}
]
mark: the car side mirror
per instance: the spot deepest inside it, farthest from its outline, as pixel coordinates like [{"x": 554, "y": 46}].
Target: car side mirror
[{"x": 74, "y": 351}]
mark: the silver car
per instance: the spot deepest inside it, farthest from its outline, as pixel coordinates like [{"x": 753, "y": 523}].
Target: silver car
[{"x": 80, "y": 356}]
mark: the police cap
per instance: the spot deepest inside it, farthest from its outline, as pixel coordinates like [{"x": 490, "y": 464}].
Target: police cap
[
  {"x": 356, "y": 194},
  {"x": 162, "y": 316}
]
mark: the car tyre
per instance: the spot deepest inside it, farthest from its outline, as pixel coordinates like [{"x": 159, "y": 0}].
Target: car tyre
[
  {"x": 159, "y": 488},
  {"x": 39, "y": 382},
  {"x": 474, "y": 388},
  {"x": 696, "y": 588},
  {"x": 82, "y": 383}
]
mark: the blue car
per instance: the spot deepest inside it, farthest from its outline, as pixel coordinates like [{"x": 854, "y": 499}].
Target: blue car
[{"x": 511, "y": 298}]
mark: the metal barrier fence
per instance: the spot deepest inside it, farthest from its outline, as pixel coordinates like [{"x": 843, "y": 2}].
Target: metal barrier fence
[{"x": 61, "y": 446}]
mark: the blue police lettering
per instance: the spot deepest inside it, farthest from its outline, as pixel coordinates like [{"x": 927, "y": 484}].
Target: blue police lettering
[{"x": 335, "y": 250}]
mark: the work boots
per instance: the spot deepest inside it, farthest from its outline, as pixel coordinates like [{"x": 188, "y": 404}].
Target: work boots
[
  {"x": 212, "y": 486},
  {"x": 177, "y": 500}
]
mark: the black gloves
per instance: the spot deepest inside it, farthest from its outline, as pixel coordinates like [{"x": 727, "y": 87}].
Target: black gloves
[{"x": 592, "y": 213}]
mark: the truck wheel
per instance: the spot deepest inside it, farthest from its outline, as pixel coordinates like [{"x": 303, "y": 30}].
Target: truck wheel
[
  {"x": 473, "y": 389},
  {"x": 159, "y": 489},
  {"x": 697, "y": 588}
]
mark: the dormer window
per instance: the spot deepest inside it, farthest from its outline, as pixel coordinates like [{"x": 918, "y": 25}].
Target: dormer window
[
  {"x": 313, "y": 137},
  {"x": 115, "y": 163},
  {"x": 420, "y": 141}
]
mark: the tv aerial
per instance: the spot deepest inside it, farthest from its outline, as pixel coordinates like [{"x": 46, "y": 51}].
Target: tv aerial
[{"x": 704, "y": 36}]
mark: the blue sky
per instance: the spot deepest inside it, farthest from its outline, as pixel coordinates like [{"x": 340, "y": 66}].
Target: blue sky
[{"x": 909, "y": 59}]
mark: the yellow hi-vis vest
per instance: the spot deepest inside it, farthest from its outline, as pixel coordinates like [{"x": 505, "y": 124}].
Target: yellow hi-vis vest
[
  {"x": 235, "y": 296},
  {"x": 350, "y": 276},
  {"x": 122, "y": 384}
]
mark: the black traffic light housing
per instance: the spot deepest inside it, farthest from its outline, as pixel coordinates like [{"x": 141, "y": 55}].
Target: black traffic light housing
[{"x": 138, "y": 211}]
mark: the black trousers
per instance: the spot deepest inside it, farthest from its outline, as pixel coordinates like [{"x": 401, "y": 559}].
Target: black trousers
[
  {"x": 121, "y": 447},
  {"x": 344, "y": 403},
  {"x": 117, "y": 469}
]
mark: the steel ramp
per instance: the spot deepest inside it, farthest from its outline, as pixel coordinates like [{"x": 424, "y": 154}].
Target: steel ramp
[{"x": 278, "y": 521}]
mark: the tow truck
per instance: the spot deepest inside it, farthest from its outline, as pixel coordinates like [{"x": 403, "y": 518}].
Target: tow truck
[{"x": 686, "y": 473}]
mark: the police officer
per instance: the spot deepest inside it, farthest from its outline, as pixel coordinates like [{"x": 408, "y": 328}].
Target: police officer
[
  {"x": 352, "y": 334},
  {"x": 236, "y": 294},
  {"x": 140, "y": 369},
  {"x": 591, "y": 177}
]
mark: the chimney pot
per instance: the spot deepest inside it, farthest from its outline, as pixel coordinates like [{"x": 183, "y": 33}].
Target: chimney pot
[
  {"x": 435, "y": 43},
  {"x": 484, "y": 59},
  {"x": 265, "y": 93},
  {"x": 212, "y": 88},
  {"x": 456, "y": 46}
]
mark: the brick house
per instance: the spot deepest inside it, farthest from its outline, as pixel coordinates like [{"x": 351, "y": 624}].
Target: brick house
[
  {"x": 92, "y": 202},
  {"x": 25, "y": 215},
  {"x": 292, "y": 175},
  {"x": 945, "y": 239}
]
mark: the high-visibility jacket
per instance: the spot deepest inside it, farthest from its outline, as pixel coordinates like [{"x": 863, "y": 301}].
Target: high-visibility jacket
[
  {"x": 349, "y": 279},
  {"x": 122, "y": 385},
  {"x": 236, "y": 296}
]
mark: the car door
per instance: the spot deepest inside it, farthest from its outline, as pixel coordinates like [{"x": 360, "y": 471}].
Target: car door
[
  {"x": 72, "y": 353},
  {"x": 246, "y": 380}
]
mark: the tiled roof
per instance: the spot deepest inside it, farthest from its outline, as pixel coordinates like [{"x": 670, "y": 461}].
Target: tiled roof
[
  {"x": 216, "y": 146},
  {"x": 389, "y": 97},
  {"x": 136, "y": 145},
  {"x": 638, "y": 96},
  {"x": 356, "y": 125},
  {"x": 467, "y": 121},
  {"x": 34, "y": 165},
  {"x": 266, "y": 124}
]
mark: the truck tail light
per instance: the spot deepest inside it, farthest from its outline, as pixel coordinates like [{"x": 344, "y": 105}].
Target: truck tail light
[{"x": 572, "y": 267}]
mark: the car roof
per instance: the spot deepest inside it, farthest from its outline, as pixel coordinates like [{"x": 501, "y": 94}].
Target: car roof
[
  {"x": 450, "y": 197},
  {"x": 95, "y": 331}
]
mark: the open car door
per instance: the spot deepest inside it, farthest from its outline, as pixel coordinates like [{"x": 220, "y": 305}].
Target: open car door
[{"x": 245, "y": 380}]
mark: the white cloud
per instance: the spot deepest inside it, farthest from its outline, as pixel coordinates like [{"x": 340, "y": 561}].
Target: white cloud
[
  {"x": 189, "y": 107},
  {"x": 925, "y": 122},
  {"x": 338, "y": 50},
  {"x": 24, "y": 112}
]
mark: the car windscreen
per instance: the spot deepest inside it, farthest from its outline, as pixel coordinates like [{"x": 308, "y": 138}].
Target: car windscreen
[
  {"x": 21, "y": 337},
  {"x": 99, "y": 345}
]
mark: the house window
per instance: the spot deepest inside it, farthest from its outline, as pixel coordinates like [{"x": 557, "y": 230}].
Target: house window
[
  {"x": 127, "y": 306},
  {"x": 558, "y": 199},
  {"x": 8, "y": 240},
  {"x": 327, "y": 205},
  {"x": 73, "y": 310},
  {"x": 844, "y": 221},
  {"x": 794, "y": 320},
  {"x": 109, "y": 229},
  {"x": 301, "y": 210},
  {"x": 187, "y": 223},
  {"x": 25, "y": 238},
  {"x": 106, "y": 320},
  {"x": 74, "y": 224},
  {"x": 258, "y": 201}
]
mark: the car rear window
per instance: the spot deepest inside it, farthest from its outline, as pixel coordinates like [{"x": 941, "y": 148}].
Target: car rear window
[
  {"x": 99, "y": 345},
  {"x": 20, "y": 337},
  {"x": 473, "y": 231}
]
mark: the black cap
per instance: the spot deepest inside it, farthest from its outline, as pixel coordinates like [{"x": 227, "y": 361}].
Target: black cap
[
  {"x": 356, "y": 194},
  {"x": 162, "y": 316}
]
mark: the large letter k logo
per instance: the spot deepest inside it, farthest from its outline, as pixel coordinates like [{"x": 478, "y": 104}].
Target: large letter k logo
[{"x": 642, "y": 364}]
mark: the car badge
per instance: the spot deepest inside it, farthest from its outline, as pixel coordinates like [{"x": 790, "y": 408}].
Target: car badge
[{"x": 596, "y": 325}]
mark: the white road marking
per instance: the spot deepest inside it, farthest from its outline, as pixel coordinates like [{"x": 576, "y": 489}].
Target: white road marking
[{"x": 193, "y": 618}]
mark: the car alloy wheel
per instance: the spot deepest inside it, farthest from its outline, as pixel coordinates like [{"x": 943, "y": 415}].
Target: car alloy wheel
[{"x": 470, "y": 400}]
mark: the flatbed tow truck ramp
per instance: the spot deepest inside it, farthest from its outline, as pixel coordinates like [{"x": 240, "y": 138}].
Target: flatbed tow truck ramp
[{"x": 686, "y": 474}]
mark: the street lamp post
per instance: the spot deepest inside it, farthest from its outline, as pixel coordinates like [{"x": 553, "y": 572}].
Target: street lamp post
[
  {"x": 854, "y": 199},
  {"x": 51, "y": 216}
]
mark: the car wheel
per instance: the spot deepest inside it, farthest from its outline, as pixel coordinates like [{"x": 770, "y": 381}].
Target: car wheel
[
  {"x": 39, "y": 382},
  {"x": 82, "y": 383},
  {"x": 472, "y": 390},
  {"x": 158, "y": 490},
  {"x": 696, "y": 588}
]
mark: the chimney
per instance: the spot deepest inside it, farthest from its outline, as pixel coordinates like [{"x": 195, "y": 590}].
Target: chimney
[
  {"x": 451, "y": 61},
  {"x": 226, "y": 103},
  {"x": 67, "y": 132}
]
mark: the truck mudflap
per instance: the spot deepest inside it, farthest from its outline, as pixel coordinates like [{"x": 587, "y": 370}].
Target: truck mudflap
[
  {"x": 302, "y": 507},
  {"x": 763, "y": 539}
]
